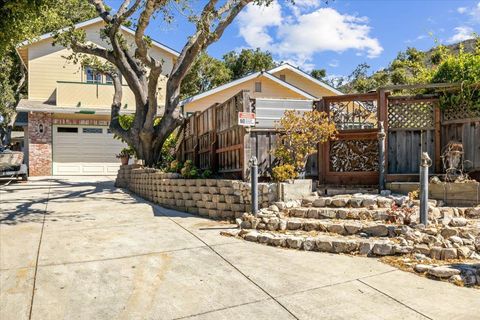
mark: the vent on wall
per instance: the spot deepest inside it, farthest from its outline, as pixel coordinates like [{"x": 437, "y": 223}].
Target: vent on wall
[{"x": 258, "y": 87}]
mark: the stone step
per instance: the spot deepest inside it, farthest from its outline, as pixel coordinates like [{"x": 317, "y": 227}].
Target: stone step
[
  {"x": 337, "y": 213},
  {"x": 354, "y": 244}
]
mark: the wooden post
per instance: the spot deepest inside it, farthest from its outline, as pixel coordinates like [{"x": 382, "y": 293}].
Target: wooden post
[
  {"x": 383, "y": 116},
  {"x": 438, "y": 143}
]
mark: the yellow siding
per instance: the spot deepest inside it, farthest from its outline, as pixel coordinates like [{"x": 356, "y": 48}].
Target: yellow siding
[
  {"x": 47, "y": 65},
  {"x": 270, "y": 89},
  {"x": 89, "y": 95},
  {"x": 305, "y": 84}
]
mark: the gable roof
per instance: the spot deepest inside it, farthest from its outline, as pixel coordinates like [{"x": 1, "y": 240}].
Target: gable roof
[
  {"x": 305, "y": 75},
  {"x": 270, "y": 76},
  {"x": 245, "y": 79},
  {"x": 90, "y": 22}
]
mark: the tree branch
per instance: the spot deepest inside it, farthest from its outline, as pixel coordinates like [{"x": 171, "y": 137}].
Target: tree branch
[{"x": 102, "y": 10}]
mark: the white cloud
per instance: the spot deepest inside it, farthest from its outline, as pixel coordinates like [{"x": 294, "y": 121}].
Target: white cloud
[
  {"x": 473, "y": 12},
  {"x": 461, "y": 34},
  {"x": 299, "y": 36}
]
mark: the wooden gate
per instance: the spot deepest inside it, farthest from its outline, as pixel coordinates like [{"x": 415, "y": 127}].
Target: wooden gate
[{"x": 352, "y": 158}]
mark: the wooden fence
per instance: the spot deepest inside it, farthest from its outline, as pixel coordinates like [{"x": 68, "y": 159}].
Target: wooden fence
[{"x": 213, "y": 139}]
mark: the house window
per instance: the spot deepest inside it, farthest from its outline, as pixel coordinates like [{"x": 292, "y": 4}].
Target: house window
[
  {"x": 67, "y": 129},
  {"x": 282, "y": 77},
  {"x": 108, "y": 79},
  {"x": 92, "y": 130},
  {"x": 258, "y": 87},
  {"x": 92, "y": 76}
]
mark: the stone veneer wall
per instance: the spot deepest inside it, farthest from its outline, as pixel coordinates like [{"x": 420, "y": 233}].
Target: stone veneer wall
[
  {"x": 213, "y": 198},
  {"x": 40, "y": 144}
]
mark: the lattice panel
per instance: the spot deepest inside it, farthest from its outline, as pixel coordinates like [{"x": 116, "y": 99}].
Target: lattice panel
[
  {"x": 411, "y": 114},
  {"x": 354, "y": 114},
  {"x": 354, "y": 156},
  {"x": 459, "y": 113}
]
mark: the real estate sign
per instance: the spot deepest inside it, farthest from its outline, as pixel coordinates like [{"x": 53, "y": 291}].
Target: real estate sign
[{"x": 246, "y": 119}]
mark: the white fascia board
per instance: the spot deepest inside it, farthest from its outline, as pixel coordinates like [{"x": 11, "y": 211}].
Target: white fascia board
[
  {"x": 93, "y": 21},
  {"x": 305, "y": 75}
]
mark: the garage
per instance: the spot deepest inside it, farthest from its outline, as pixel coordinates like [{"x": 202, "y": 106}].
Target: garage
[{"x": 84, "y": 150}]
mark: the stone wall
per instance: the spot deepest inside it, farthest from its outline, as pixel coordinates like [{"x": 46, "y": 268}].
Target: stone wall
[
  {"x": 40, "y": 144},
  {"x": 213, "y": 198}
]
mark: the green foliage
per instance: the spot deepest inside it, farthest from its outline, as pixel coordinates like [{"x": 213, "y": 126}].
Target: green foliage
[
  {"x": 318, "y": 74},
  {"x": 189, "y": 171},
  {"x": 284, "y": 172},
  {"x": 208, "y": 72},
  {"x": 463, "y": 68},
  {"x": 205, "y": 74},
  {"x": 206, "y": 174},
  {"x": 175, "y": 166},
  {"x": 126, "y": 152},
  {"x": 248, "y": 61},
  {"x": 168, "y": 151}
]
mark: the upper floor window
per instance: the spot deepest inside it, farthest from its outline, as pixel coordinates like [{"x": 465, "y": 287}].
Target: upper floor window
[
  {"x": 108, "y": 79},
  {"x": 258, "y": 87},
  {"x": 282, "y": 77},
  {"x": 92, "y": 76}
]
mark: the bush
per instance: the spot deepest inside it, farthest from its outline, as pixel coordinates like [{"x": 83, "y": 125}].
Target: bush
[
  {"x": 175, "y": 166},
  {"x": 206, "y": 174},
  {"x": 189, "y": 171},
  {"x": 284, "y": 172}
]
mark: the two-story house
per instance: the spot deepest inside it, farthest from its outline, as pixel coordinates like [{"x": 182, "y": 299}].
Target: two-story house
[{"x": 68, "y": 107}]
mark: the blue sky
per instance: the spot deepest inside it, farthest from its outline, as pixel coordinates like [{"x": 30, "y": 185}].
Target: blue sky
[{"x": 336, "y": 36}]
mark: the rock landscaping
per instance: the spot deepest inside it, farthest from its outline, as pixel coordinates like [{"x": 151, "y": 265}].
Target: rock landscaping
[{"x": 363, "y": 224}]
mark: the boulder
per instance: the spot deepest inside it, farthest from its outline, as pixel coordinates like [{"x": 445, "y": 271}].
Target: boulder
[
  {"x": 344, "y": 246},
  {"x": 251, "y": 236},
  {"x": 476, "y": 243},
  {"x": 352, "y": 227},
  {"x": 464, "y": 252},
  {"x": 383, "y": 249},
  {"x": 365, "y": 247},
  {"x": 472, "y": 212},
  {"x": 422, "y": 248},
  {"x": 384, "y": 202},
  {"x": 436, "y": 253},
  {"x": 324, "y": 245},
  {"x": 309, "y": 244},
  {"x": 265, "y": 238},
  {"x": 456, "y": 239},
  {"x": 379, "y": 230},
  {"x": 342, "y": 213},
  {"x": 327, "y": 213},
  {"x": 355, "y": 202},
  {"x": 449, "y": 253},
  {"x": 320, "y": 202},
  {"x": 336, "y": 228},
  {"x": 339, "y": 202},
  {"x": 458, "y": 222},
  {"x": 294, "y": 242},
  {"x": 294, "y": 224},
  {"x": 443, "y": 272},
  {"x": 399, "y": 249},
  {"x": 421, "y": 268},
  {"x": 448, "y": 232},
  {"x": 278, "y": 241},
  {"x": 274, "y": 208}
]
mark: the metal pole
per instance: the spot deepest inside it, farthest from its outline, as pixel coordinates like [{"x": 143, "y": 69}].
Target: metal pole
[
  {"x": 254, "y": 184},
  {"x": 425, "y": 162},
  {"x": 381, "y": 157}
]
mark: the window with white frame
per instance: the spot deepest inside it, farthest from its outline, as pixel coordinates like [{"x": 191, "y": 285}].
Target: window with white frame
[{"x": 92, "y": 76}]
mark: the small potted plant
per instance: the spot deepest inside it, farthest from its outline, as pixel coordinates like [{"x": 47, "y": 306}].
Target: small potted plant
[{"x": 124, "y": 155}]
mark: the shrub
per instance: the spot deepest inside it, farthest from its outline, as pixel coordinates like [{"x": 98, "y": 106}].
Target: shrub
[
  {"x": 175, "y": 166},
  {"x": 299, "y": 135},
  {"x": 206, "y": 174},
  {"x": 284, "y": 172},
  {"x": 189, "y": 171}
]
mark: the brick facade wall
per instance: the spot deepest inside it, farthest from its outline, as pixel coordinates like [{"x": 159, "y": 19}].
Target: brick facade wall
[{"x": 40, "y": 144}]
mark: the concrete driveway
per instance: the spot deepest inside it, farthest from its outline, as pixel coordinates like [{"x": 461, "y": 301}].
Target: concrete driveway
[{"x": 77, "y": 248}]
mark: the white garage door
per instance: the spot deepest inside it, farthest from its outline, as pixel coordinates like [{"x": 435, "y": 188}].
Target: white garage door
[{"x": 85, "y": 150}]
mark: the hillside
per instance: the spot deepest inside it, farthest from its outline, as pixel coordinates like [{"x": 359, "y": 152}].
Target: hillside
[{"x": 408, "y": 67}]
